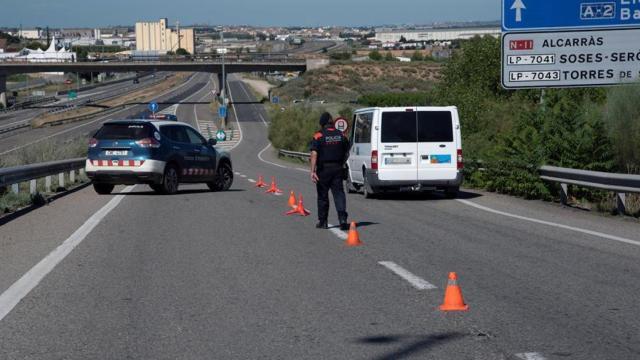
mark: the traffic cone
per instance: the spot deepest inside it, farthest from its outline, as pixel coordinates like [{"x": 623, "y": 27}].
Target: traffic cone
[
  {"x": 453, "y": 300},
  {"x": 274, "y": 188},
  {"x": 354, "y": 238},
  {"x": 261, "y": 182},
  {"x": 299, "y": 210},
  {"x": 292, "y": 200}
]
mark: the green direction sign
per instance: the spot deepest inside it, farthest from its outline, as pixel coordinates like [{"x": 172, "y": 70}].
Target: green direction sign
[
  {"x": 220, "y": 135},
  {"x": 72, "y": 95}
]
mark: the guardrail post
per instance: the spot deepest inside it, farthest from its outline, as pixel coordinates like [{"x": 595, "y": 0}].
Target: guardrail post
[
  {"x": 564, "y": 194},
  {"x": 61, "y": 180},
  {"x": 621, "y": 200},
  {"x": 72, "y": 176},
  {"x": 47, "y": 184},
  {"x": 32, "y": 186}
]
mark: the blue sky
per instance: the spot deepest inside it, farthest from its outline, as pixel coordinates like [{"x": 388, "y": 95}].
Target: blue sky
[{"x": 87, "y": 13}]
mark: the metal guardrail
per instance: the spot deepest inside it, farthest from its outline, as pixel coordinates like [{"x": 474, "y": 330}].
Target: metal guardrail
[
  {"x": 621, "y": 184},
  {"x": 13, "y": 176},
  {"x": 295, "y": 154}
]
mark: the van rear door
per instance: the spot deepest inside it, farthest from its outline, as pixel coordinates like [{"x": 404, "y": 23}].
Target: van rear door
[
  {"x": 437, "y": 148},
  {"x": 397, "y": 158}
]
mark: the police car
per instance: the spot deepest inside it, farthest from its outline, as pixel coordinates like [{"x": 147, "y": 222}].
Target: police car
[{"x": 161, "y": 154}]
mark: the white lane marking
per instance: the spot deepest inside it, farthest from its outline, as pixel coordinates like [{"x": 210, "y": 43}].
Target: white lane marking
[
  {"x": 251, "y": 181},
  {"x": 548, "y": 223},
  {"x": 414, "y": 280},
  {"x": 235, "y": 114},
  {"x": 530, "y": 356},
  {"x": 21, "y": 288},
  {"x": 269, "y": 162},
  {"x": 237, "y": 173},
  {"x": 263, "y": 120},
  {"x": 243, "y": 176},
  {"x": 90, "y": 122},
  {"x": 337, "y": 232}
]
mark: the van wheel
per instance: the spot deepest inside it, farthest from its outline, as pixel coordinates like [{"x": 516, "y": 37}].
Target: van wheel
[
  {"x": 367, "y": 191},
  {"x": 103, "y": 189},
  {"x": 170, "y": 180},
  {"x": 351, "y": 189},
  {"x": 451, "y": 193}
]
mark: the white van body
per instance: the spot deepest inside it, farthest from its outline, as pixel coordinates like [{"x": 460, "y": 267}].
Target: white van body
[{"x": 405, "y": 149}]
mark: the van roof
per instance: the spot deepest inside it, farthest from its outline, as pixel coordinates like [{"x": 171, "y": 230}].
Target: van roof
[{"x": 419, "y": 108}]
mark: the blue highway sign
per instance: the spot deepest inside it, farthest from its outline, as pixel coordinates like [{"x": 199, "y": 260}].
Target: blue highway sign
[
  {"x": 525, "y": 15},
  {"x": 153, "y": 107},
  {"x": 222, "y": 111}
]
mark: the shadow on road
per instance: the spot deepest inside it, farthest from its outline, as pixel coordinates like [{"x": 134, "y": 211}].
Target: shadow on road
[
  {"x": 359, "y": 224},
  {"x": 410, "y": 345},
  {"x": 424, "y": 196},
  {"x": 180, "y": 192}
]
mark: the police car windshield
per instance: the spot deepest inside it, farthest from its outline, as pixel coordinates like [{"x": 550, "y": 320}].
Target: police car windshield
[{"x": 123, "y": 131}]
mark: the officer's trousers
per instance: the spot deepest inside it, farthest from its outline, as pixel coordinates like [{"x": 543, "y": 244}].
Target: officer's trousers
[{"x": 330, "y": 176}]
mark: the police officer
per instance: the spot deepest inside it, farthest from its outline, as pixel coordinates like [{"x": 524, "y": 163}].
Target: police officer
[{"x": 329, "y": 151}]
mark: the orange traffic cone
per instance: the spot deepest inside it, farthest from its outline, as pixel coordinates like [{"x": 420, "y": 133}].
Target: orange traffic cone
[
  {"x": 453, "y": 300},
  {"x": 354, "y": 238},
  {"x": 274, "y": 188},
  {"x": 261, "y": 182},
  {"x": 299, "y": 210},
  {"x": 292, "y": 200}
]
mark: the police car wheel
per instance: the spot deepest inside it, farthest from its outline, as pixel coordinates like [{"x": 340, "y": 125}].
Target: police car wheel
[
  {"x": 224, "y": 178},
  {"x": 170, "y": 180},
  {"x": 103, "y": 189}
]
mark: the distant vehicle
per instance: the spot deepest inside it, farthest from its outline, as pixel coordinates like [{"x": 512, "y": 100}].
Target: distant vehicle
[
  {"x": 298, "y": 101},
  {"x": 161, "y": 154},
  {"x": 405, "y": 149},
  {"x": 68, "y": 81},
  {"x": 165, "y": 117},
  {"x": 136, "y": 81}
]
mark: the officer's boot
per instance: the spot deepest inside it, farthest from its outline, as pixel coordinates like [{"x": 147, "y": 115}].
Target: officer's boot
[
  {"x": 342, "y": 217},
  {"x": 322, "y": 224}
]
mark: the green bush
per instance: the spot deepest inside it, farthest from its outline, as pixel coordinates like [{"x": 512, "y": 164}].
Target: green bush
[
  {"x": 293, "y": 128},
  {"x": 622, "y": 116},
  {"x": 375, "y": 55}
]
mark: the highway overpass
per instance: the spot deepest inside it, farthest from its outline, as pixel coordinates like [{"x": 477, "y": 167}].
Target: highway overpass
[{"x": 172, "y": 66}]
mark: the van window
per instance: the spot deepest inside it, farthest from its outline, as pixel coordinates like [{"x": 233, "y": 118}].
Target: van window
[
  {"x": 398, "y": 127},
  {"x": 363, "y": 128},
  {"x": 132, "y": 131},
  {"x": 435, "y": 126}
]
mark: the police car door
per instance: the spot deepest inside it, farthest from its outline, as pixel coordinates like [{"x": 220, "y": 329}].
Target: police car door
[
  {"x": 204, "y": 156},
  {"x": 437, "y": 149},
  {"x": 397, "y": 154}
]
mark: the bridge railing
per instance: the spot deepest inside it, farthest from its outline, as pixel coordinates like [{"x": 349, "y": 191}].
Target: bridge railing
[
  {"x": 621, "y": 184},
  {"x": 14, "y": 176}
]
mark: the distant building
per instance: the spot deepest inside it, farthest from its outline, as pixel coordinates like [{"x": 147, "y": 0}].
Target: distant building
[
  {"x": 157, "y": 36},
  {"x": 394, "y": 36},
  {"x": 50, "y": 55},
  {"x": 30, "y": 34}
]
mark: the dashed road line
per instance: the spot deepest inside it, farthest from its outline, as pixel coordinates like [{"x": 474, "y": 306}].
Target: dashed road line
[
  {"x": 414, "y": 280},
  {"x": 549, "y": 223},
  {"x": 251, "y": 181},
  {"x": 21, "y": 288}
]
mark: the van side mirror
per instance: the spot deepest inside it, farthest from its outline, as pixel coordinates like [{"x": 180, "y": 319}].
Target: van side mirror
[{"x": 212, "y": 142}]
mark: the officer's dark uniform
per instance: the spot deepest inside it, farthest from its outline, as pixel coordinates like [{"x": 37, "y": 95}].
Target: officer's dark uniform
[{"x": 332, "y": 148}]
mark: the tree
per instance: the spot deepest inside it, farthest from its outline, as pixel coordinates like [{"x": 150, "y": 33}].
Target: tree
[
  {"x": 34, "y": 45},
  {"x": 417, "y": 56},
  {"x": 403, "y": 39},
  {"x": 182, "y": 51},
  {"x": 375, "y": 55},
  {"x": 389, "y": 56}
]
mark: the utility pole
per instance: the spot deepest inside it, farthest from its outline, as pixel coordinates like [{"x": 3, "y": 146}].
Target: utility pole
[
  {"x": 223, "y": 87},
  {"x": 178, "y": 32}
]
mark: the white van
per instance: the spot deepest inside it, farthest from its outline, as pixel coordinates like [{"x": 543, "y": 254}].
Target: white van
[{"x": 405, "y": 149}]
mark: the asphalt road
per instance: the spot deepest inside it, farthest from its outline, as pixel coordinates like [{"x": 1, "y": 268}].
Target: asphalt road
[
  {"x": 16, "y": 141},
  {"x": 204, "y": 275}
]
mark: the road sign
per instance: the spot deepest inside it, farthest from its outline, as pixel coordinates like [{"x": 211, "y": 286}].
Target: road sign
[
  {"x": 222, "y": 111},
  {"x": 220, "y": 135},
  {"x": 72, "y": 95},
  {"x": 153, "y": 106},
  {"x": 275, "y": 99},
  {"x": 570, "y": 58},
  {"x": 341, "y": 124},
  {"x": 527, "y": 15}
]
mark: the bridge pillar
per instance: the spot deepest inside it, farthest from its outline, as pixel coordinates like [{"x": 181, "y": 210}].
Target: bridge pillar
[
  {"x": 3, "y": 90},
  {"x": 220, "y": 85}
]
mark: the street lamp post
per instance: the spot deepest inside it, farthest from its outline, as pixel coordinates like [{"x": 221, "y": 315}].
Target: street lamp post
[{"x": 223, "y": 86}]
